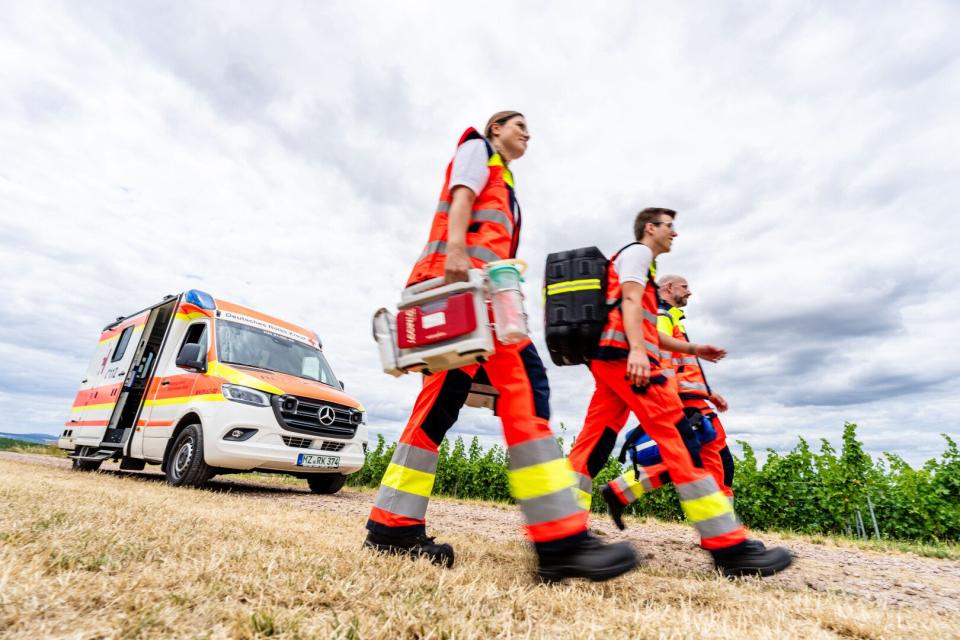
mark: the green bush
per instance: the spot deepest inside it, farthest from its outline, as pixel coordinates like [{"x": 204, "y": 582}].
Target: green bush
[{"x": 801, "y": 490}]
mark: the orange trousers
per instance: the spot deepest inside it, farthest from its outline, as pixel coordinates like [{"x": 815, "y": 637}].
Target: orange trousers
[{"x": 540, "y": 477}]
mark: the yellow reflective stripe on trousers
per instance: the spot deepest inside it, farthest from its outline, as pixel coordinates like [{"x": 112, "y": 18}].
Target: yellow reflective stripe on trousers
[
  {"x": 631, "y": 487},
  {"x": 584, "y": 490},
  {"x": 702, "y": 499},
  {"x": 540, "y": 479},
  {"x": 706, "y": 507},
  {"x": 409, "y": 480}
]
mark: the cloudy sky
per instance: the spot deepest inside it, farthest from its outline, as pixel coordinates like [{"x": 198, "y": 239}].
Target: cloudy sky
[{"x": 288, "y": 156}]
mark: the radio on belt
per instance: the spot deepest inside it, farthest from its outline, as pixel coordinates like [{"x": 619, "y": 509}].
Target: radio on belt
[{"x": 439, "y": 327}]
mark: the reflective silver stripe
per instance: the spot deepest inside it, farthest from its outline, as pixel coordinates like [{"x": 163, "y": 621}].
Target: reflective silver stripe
[
  {"x": 645, "y": 482},
  {"x": 688, "y": 360},
  {"x": 412, "y": 457},
  {"x": 402, "y": 503},
  {"x": 649, "y": 317},
  {"x": 654, "y": 348},
  {"x": 584, "y": 482},
  {"x": 693, "y": 386},
  {"x": 437, "y": 246},
  {"x": 552, "y": 506},
  {"x": 440, "y": 246},
  {"x": 668, "y": 372},
  {"x": 627, "y": 483},
  {"x": 624, "y": 486},
  {"x": 610, "y": 334},
  {"x": 534, "y": 452},
  {"x": 666, "y": 355},
  {"x": 443, "y": 207},
  {"x": 698, "y": 488},
  {"x": 482, "y": 253},
  {"x": 662, "y": 312},
  {"x": 493, "y": 215},
  {"x": 612, "y": 301},
  {"x": 718, "y": 526}
]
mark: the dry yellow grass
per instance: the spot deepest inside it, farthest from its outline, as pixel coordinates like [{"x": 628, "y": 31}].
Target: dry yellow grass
[{"x": 102, "y": 556}]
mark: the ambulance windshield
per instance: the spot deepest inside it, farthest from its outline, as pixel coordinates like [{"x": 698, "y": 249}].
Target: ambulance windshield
[{"x": 241, "y": 344}]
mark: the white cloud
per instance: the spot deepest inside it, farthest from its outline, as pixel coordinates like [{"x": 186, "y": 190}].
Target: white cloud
[{"x": 289, "y": 159}]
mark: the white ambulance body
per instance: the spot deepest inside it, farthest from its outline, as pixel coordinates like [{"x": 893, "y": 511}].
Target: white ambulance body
[{"x": 203, "y": 386}]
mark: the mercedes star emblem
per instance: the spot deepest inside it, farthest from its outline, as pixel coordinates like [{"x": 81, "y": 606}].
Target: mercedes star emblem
[{"x": 326, "y": 416}]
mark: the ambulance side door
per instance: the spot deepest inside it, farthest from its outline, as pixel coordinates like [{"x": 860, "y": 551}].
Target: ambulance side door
[
  {"x": 102, "y": 384},
  {"x": 170, "y": 390}
]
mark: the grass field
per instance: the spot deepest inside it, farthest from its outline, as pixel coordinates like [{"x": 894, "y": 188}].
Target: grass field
[{"x": 108, "y": 556}]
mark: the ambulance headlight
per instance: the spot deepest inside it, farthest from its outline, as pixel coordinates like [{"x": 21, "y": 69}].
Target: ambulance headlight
[{"x": 245, "y": 395}]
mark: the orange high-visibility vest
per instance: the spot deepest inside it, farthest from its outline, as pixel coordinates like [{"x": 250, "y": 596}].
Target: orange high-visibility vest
[
  {"x": 691, "y": 381},
  {"x": 493, "y": 233},
  {"x": 613, "y": 341}
]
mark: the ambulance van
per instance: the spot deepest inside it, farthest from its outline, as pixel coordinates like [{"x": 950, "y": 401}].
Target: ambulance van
[{"x": 205, "y": 387}]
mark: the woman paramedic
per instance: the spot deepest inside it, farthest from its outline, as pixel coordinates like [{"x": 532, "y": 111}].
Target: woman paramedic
[{"x": 478, "y": 221}]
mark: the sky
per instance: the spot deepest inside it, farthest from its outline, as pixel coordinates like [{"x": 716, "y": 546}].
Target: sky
[{"x": 288, "y": 157}]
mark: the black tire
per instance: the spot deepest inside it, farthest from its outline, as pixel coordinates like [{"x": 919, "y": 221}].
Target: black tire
[
  {"x": 326, "y": 483},
  {"x": 185, "y": 466},
  {"x": 86, "y": 465}
]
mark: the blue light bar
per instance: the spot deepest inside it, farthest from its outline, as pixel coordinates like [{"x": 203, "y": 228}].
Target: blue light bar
[{"x": 200, "y": 299}]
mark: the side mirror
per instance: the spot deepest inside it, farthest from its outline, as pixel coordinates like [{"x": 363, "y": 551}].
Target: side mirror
[
  {"x": 192, "y": 357},
  {"x": 343, "y": 387}
]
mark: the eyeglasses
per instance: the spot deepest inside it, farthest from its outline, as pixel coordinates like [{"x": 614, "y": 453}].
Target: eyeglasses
[{"x": 659, "y": 222}]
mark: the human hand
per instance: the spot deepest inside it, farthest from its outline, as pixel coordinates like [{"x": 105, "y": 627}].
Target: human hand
[
  {"x": 719, "y": 402},
  {"x": 638, "y": 368},
  {"x": 709, "y": 352},
  {"x": 457, "y": 265}
]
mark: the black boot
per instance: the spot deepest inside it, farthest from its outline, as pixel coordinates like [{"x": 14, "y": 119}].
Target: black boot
[
  {"x": 614, "y": 506},
  {"x": 591, "y": 559},
  {"x": 751, "y": 558},
  {"x": 413, "y": 546}
]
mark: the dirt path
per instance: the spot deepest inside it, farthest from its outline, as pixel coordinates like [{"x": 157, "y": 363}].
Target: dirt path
[{"x": 888, "y": 578}]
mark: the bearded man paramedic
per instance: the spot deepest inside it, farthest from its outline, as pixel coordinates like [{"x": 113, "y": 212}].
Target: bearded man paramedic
[
  {"x": 631, "y": 374},
  {"x": 478, "y": 221}
]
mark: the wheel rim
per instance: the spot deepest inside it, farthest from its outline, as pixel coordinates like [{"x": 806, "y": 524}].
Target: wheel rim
[{"x": 183, "y": 458}]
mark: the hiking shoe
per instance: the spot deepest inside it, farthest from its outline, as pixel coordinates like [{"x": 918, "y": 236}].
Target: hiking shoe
[
  {"x": 752, "y": 559},
  {"x": 591, "y": 559},
  {"x": 413, "y": 546},
  {"x": 614, "y": 506}
]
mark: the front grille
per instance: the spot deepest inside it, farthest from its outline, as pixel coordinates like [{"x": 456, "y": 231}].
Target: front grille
[
  {"x": 296, "y": 413},
  {"x": 332, "y": 446},
  {"x": 300, "y": 443}
]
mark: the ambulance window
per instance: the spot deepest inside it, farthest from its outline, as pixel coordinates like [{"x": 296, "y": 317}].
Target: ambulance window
[{"x": 122, "y": 344}]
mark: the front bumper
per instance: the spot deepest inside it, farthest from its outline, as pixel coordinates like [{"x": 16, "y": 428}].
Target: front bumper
[{"x": 273, "y": 448}]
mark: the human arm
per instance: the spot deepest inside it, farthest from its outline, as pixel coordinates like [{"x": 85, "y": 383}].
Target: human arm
[
  {"x": 638, "y": 364},
  {"x": 708, "y": 352},
  {"x": 719, "y": 402},
  {"x": 458, "y": 219}
]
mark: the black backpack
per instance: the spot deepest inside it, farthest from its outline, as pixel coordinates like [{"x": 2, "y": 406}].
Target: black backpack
[{"x": 575, "y": 303}]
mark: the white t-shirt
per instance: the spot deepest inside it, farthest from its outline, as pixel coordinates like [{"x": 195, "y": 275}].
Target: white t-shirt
[
  {"x": 633, "y": 263},
  {"x": 470, "y": 166}
]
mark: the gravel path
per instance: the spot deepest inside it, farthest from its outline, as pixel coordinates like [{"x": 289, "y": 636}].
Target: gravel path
[{"x": 886, "y": 577}]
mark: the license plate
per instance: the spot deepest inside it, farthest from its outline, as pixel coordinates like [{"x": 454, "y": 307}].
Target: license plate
[{"x": 323, "y": 462}]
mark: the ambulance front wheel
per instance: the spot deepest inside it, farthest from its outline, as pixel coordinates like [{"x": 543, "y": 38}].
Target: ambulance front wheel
[
  {"x": 186, "y": 467},
  {"x": 327, "y": 483}
]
